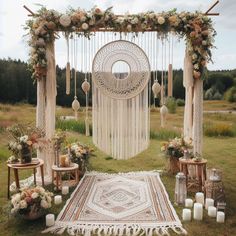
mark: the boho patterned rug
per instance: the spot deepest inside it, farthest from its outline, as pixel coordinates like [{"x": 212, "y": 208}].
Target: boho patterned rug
[{"x": 118, "y": 204}]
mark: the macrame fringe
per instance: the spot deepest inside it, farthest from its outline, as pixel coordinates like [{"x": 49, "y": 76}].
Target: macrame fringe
[
  {"x": 170, "y": 81},
  {"x": 114, "y": 229},
  {"x": 87, "y": 132},
  {"x": 68, "y": 78}
]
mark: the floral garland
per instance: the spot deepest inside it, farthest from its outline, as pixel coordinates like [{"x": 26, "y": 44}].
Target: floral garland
[{"x": 195, "y": 27}]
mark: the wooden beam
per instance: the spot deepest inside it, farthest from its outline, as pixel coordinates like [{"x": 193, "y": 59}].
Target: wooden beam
[
  {"x": 31, "y": 13},
  {"x": 212, "y": 14}
]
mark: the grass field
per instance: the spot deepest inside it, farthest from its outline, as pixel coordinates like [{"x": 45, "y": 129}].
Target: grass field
[{"x": 219, "y": 151}]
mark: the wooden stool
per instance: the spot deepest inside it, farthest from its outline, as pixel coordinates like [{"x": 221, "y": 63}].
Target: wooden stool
[
  {"x": 200, "y": 167},
  {"x": 17, "y": 166},
  {"x": 57, "y": 180}
]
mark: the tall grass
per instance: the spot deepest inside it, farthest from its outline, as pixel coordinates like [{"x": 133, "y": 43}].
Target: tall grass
[
  {"x": 164, "y": 134},
  {"x": 72, "y": 125},
  {"x": 219, "y": 129}
]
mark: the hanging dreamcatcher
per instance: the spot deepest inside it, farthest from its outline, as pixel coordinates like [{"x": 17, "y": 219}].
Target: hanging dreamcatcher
[{"x": 120, "y": 99}]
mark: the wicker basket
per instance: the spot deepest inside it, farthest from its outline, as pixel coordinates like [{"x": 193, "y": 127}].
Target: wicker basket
[{"x": 34, "y": 214}]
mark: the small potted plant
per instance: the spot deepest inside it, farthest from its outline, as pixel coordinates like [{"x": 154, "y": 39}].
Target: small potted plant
[
  {"x": 25, "y": 139},
  {"x": 174, "y": 149},
  {"x": 31, "y": 203}
]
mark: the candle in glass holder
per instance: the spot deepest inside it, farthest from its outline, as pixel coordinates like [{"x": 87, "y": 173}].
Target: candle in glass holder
[
  {"x": 50, "y": 220},
  {"x": 197, "y": 211},
  {"x": 65, "y": 190},
  {"x": 200, "y": 198},
  {"x": 186, "y": 215},
  {"x": 209, "y": 202},
  {"x": 220, "y": 217},
  {"x": 188, "y": 202},
  {"x": 58, "y": 199},
  {"x": 212, "y": 211},
  {"x": 63, "y": 160}
]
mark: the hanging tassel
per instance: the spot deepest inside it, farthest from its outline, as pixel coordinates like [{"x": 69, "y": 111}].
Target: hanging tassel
[
  {"x": 68, "y": 78},
  {"x": 75, "y": 107},
  {"x": 170, "y": 81},
  {"x": 156, "y": 88},
  {"x": 67, "y": 67},
  {"x": 163, "y": 111}
]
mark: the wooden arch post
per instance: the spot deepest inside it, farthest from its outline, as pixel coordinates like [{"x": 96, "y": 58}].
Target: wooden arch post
[{"x": 46, "y": 110}]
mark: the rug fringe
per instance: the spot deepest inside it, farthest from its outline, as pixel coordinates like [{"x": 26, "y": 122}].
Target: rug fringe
[{"x": 115, "y": 230}]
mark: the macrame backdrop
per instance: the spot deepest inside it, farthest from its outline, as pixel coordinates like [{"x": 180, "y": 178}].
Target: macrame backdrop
[{"x": 121, "y": 121}]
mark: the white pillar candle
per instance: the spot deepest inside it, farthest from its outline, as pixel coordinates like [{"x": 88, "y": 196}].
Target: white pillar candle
[
  {"x": 220, "y": 217},
  {"x": 197, "y": 211},
  {"x": 58, "y": 199},
  {"x": 50, "y": 220},
  {"x": 212, "y": 211},
  {"x": 65, "y": 190},
  {"x": 209, "y": 202},
  {"x": 186, "y": 215},
  {"x": 188, "y": 202},
  {"x": 200, "y": 198}
]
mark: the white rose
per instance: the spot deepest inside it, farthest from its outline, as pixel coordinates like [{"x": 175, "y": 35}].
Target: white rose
[
  {"x": 152, "y": 15},
  {"x": 161, "y": 20},
  {"x": 44, "y": 204},
  {"x": 134, "y": 21},
  {"x": 34, "y": 195},
  {"x": 196, "y": 66},
  {"x": 23, "y": 204},
  {"x": 85, "y": 26},
  {"x": 19, "y": 147},
  {"x": 194, "y": 56},
  {"x": 17, "y": 197}
]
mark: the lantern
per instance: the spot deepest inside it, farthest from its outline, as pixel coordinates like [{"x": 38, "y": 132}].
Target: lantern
[
  {"x": 214, "y": 186},
  {"x": 156, "y": 88},
  {"x": 180, "y": 189}
]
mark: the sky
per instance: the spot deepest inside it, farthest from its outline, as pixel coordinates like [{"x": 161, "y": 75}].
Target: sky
[{"x": 13, "y": 17}]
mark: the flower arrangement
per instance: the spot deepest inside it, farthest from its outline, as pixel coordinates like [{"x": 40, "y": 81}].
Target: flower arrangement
[
  {"x": 79, "y": 154},
  {"x": 195, "y": 27},
  {"x": 24, "y": 140},
  {"x": 31, "y": 202},
  {"x": 57, "y": 140},
  {"x": 175, "y": 148}
]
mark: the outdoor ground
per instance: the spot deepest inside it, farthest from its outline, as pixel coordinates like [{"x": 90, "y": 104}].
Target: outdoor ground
[{"x": 219, "y": 151}]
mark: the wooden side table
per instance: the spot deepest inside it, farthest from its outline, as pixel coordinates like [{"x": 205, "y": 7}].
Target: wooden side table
[
  {"x": 58, "y": 171},
  {"x": 16, "y": 167},
  {"x": 200, "y": 167}
]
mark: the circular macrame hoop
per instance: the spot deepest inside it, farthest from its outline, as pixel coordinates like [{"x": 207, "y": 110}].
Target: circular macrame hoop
[{"x": 136, "y": 80}]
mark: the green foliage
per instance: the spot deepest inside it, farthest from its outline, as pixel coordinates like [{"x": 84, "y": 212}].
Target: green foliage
[
  {"x": 72, "y": 125},
  {"x": 218, "y": 129},
  {"x": 180, "y": 102},
  {"x": 230, "y": 95},
  {"x": 171, "y": 104}
]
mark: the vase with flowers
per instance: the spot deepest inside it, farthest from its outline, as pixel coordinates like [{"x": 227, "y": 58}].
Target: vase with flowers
[
  {"x": 174, "y": 149},
  {"x": 24, "y": 140},
  {"x": 79, "y": 154}
]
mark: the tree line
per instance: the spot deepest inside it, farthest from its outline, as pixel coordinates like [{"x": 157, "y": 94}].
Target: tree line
[{"x": 16, "y": 84}]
